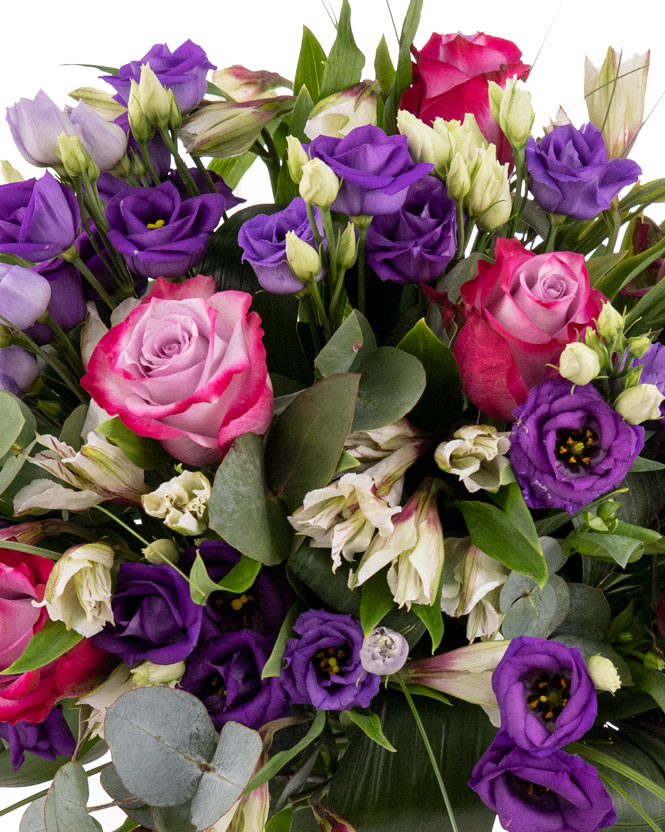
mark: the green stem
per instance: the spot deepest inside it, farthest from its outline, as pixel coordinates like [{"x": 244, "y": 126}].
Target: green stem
[
  {"x": 430, "y": 753},
  {"x": 551, "y": 236},
  {"x": 147, "y": 161},
  {"x": 90, "y": 773},
  {"x": 95, "y": 210},
  {"x": 461, "y": 243},
  {"x": 517, "y": 202},
  {"x": 636, "y": 806},
  {"x": 332, "y": 246},
  {"x": 335, "y": 299},
  {"x": 92, "y": 280},
  {"x": 362, "y": 237},
  {"x": 61, "y": 340},
  {"x": 273, "y": 161},
  {"x": 312, "y": 224},
  {"x": 183, "y": 170},
  {"x": 205, "y": 173},
  {"x": 318, "y": 303},
  {"x": 311, "y": 316}
]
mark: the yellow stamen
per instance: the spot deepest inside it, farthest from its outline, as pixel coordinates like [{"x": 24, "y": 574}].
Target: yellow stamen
[{"x": 156, "y": 224}]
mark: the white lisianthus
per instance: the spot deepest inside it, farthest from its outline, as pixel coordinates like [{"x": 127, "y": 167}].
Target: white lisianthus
[
  {"x": 425, "y": 143},
  {"x": 512, "y": 110},
  {"x": 182, "y": 503},
  {"x": 610, "y": 322},
  {"x": 318, "y": 183},
  {"x": 476, "y": 454},
  {"x": 149, "y": 673},
  {"x": 578, "y": 363},
  {"x": 304, "y": 259},
  {"x": 639, "y": 404}
]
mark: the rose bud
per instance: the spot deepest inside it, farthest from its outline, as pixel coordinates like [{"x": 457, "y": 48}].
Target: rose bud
[
  {"x": 579, "y": 363},
  {"x": 318, "y": 184},
  {"x": 639, "y": 404},
  {"x": 604, "y": 674},
  {"x": 384, "y": 651}
]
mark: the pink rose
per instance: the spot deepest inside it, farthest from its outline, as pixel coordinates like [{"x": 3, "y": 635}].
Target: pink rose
[
  {"x": 187, "y": 367},
  {"x": 520, "y": 313},
  {"x": 451, "y": 76}
]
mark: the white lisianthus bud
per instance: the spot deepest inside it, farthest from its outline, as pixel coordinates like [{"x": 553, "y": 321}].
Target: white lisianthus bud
[
  {"x": 425, "y": 143},
  {"x": 154, "y": 99},
  {"x": 78, "y": 590},
  {"x": 9, "y": 172},
  {"x": 304, "y": 259},
  {"x": 488, "y": 199},
  {"x": 639, "y": 404},
  {"x": 604, "y": 674},
  {"x": 319, "y": 184},
  {"x": 384, "y": 651},
  {"x": 103, "y": 696},
  {"x": 475, "y": 454},
  {"x": 100, "y": 101},
  {"x": 148, "y": 673},
  {"x": 610, "y": 322},
  {"x": 579, "y": 363},
  {"x": 175, "y": 116},
  {"x": 512, "y": 110},
  {"x": 161, "y": 551},
  {"x": 182, "y": 502},
  {"x": 141, "y": 128},
  {"x": 457, "y": 180},
  {"x": 339, "y": 113},
  {"x": 347, "y": 248},
  {"x": 296, "y": 158},
  {"x": 75, "y": 160},
  {"x": 638, "y": 345}
]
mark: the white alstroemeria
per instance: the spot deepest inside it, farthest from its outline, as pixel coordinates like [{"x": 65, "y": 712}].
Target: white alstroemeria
[
  {"x": 103, "y": 696},
  {"x": 476, "y": 454},
  {"x": 182, "y": 502},
  {"x": 471, "y": 582},
  {"x": 149, "y": 673},
  {"x": 381, "y": 442},
  {"x": 78, "y": 590},
  {"x": 559, "y": 119},
  {"x": 414, "y": 550},
  {"x": 488, "y": 201}
]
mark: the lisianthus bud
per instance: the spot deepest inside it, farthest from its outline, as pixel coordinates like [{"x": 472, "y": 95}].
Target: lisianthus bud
[
  {"x": 78, "y": 591},
  {"x": 653, "y": 662},
  {"x": 457, "y": 180},
  {"x": 182, "y": 502},
  {"x": 603, "y": 674},
  {"x": 512, "y": 110},
  {"x": 296, "y": 158},
  {"x": 161, "y": 551},
  {"x": 488, "y": 199},
  {"x": 148, "y": 673},
  {"x": 639, "y": 404},
  {"x": 347, "y": 248},
  {"x": 175, "y": 116},
  {"x": 339, "y": 113},
  {"x": 384, "y": 651},
  {"x": 304, "y": 259},
  {"x": 103, "y": 103},
  {"x": 638, "y": 345},
  {"x": 475, "y": 454},
  {"x": 425, "y": 143},
  {"x": 9, "y": 172},
  {"x": 141, "y": 128},
  {"x": 24, "y": 296},
  {"x": 579, "y": 363},
  {"x": 319, "y": 184},
  {"x": 73, "y": 156},
  {"x": 154, "y": 99},
  {"x": 610, "y": 322}
]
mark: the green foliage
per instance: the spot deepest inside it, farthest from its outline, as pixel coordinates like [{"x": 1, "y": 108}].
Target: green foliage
[
  {"x": 348, "y": 348},
  {"x": 345, "y": 62},
  {"x": 370, "y": 724},
  {"x": 141, "y": 450},
  {"x": 234, "y": 168},
  {"x": 383, "y": 66},
  {"x": 66, "y": 802},
  {"x": 238, "y": 579},
  {"x": 17, "y": 424},
  {"x": 402, "y": 77},
  {"x": 391, "y": 384},
  {"x": 47, "y": 644},
  {"x": 376, "y": 601},
  {"x": 311, "y": 63}
]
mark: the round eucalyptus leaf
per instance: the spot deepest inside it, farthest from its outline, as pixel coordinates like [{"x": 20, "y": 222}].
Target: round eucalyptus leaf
[
  {"x": 531, "y": 614},
  {"x": 33, "y": 817},
  {"x": 67, "y": 800}
]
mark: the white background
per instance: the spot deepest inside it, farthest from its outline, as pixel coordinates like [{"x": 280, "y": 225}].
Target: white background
[{"x": 40, "y": 37}]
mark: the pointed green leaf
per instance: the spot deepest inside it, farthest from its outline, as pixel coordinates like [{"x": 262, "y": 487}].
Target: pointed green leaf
[
  {"x": 383, "y": 66},
  {"x": 432, "y": 618},
  {"x": 273, "y": 667},
  {"x": 311, "y": 63},
  {"x": 238, "y": 580},
  {"x": 376, "y": 601},
  {"x": 403, "y": 74},
  {"x": 628, "y": 269},
  {"x": 370, "y": 724},
  {"x": 234, "y": 168},
  {"x": 345, "y": 62},
  {"x": 47, "y": 644},
  {"x": 141, "y": 450},
  {"x": 12, "y": 421},
  {"x": 510, "y": 499}
]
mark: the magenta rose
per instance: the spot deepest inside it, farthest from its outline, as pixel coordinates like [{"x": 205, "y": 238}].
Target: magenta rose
[
  {"x": 187, "y": 367},
  {"x": 451, "y": 77},
  {"x": 520, "y": 313}
]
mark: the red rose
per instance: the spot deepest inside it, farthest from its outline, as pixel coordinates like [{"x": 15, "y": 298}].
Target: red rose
[
  {"x": 521, "y": 311},
  {"x": 451, "y": 76}
]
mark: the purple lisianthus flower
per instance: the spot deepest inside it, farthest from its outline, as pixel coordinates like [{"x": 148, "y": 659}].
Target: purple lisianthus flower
[
  {"x": 375, "y": 169},
  {"x": 183, "y": 71},
  {"x": 24, "y": 295},
  {"x": 160, "y": 234},
  {"x": 48, "y": 739},
  {"x": 35, "y": 124},
  {"x": 568, "y": 446},
  {"x": 67, "y": 303},
  {"x": 556, "y": 793},
  {"x": 323, "y": 667},
  {"x": 545, "y": 694},
  {"x": 225, "y": 674},
  {"x": 18, "y": 370},
  {"x": 570, "y": 174},
  {"x": 155, "y": 617},
  {"x": 230, "y": 199},
  {"x": 416, "y": 243},
  {"x": 653, "y": 368},
  {"x": 263, "y": 242},
  {"x": 262, "y": 608},
  {"x": 39, "y": 218}
]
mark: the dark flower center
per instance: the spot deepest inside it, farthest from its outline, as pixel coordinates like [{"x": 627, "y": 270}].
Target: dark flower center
[
  {"x": 331, "y": 659},
  {"x": 218, "y": 686},
  {"x": 547, "y": 694},
  {"x": 577, "y": 448},
  {"x": 156, "y": 224},
  {"x": 238, "y": 607}
]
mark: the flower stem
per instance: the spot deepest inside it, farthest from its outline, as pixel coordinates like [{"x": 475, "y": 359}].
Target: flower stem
[
  {"x": 318, "y": 303},
  {"x": 273, "y": 160},
  {"x": 362, "y": 237},
  {"x": 183, "y": 170},
  {"x": 147, "y": 161},
  {"x": 61, "y": 340},
  {"x": 430, "y": 753},
  {"x": 92, "y": 280},
  {"x": 517, "y": 202},
  {"x": 313, "y": 226},
  {"x": 205, "y": 173},
  {"x": 551, "y": 236},
  {"x": 311, "y": 316}
]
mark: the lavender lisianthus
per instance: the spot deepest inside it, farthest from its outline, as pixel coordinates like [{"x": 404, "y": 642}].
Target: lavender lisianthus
[
  {"x": 155, "y": 617},
  {"x": 568, "y": 446},
  {"x": 545, "y": 694},
  {"x": 158, "y": 233},
  {"x": 556, "y": 793},
  {"x": 323, "y": 666},
  {"x": 18, "y": 370},
  {"x": 263, "y": 242},
  {"x": 570, "y": 174},
  {"x": 24, "y": 295},
  {"x": 183, "y": 71},
  {"x": 67, "y": 303},
  {"x": 225, "y": 674},
  {"x": 416, "y": 243},
  {"x": 375, "y": 169},
  {"x": 39, "y": 218},
  {"x": 48, "y": 739},
  {"x": 35, "y": 124}
]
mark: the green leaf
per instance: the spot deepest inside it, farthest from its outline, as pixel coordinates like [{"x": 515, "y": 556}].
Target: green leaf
[
  {"x": 510, "y": 499},
  {"x": 10, "y": 470},
  {"x": 643, "y": 464},
  {"x": 311, "y": 63},
  {"x": 281, "y": 821},
  {"x": 610, "y": 547},
  {"x": 238, "y": 579},
  {"x": 141, "y": 450},
  {"x": 376, "y": 601},
  {"x": 598, "y": 267},
  {"x": 649, "y": 681},
  {"x": 47, "y": 644},
  {"x": 441, "y": 404},
  {"x": 628, "y": 269},
  {"x": 72, "y": 427},
  {"x": 589, "y": 614},
  {"x": 432, "y": 618},
  {"x": 531, "y": 611},
  {"x": 345, "y": 62},
  {"x": 383, "y": 66},
  {"x": 464, "y": 271},
  {"x": 234, "y": 168},
  {"x": 299, "y": 116},
  {"x": 588, "y": 647},
  {"x": 279, "y": 760},
  {"x": 137, "y": 810},
  {"x": 307, "y": 439},
  {"x": 273, "y": 667},
  {"x": 349, "y": 346},
  {"x": 370, "y": 724},
  {"x": 66, "y": 802},
  {"x": 403, "y": 73},
  {"x": 645, "y": 498},
  {"x": 12, "y": 421},
  {"x": 421, "y": 690},
  {"x": 33, "y": 817},
  {"x": 346, "y": 463},
  {"x": 492, "y": 531},
  {"x": 649, "y": 312},
  {"x": 391, "y": 384}
]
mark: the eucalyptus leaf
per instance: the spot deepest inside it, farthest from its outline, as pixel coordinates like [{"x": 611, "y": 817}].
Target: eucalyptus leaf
[
  {"x": 72, "y": 427},
  {"x": 33, "y": 817},
  {"x": 66, "y": 802},
  {"x": 115, "y": 788},
  {"x": 49, "y": 643},
  {"x": 345, "y": 62},
  {"x": 532, "y": 613},
  {"x": 589, "y": 614},
  {"x": 648, "y": 680},
  {"x": 12, "y": 421},
  {"x": 391, "y": 384},
  {"x": 370, "y": 724},
  {"x": 465, "y": 270},
  {"x": 349, "y": 346}
]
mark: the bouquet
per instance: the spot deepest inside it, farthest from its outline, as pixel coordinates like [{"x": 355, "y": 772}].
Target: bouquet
[{"x": 339, "y": 512}]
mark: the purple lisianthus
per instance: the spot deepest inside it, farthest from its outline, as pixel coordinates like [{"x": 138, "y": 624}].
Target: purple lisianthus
[
  {"x": 24, "y": 295},
  {"x": 35, "y": 124},
  {"x": 225, "y": 674},
  {"x": 67, "y": 303},
  {"x": 653, "y": 368},
  {"x": 375, "y": 169},
  {"x": 182, "y": 71},
  {"x": 557, "y": 793},
  {"x": 568, "y": 446},
  {"x": 230, "y": 199},
  {"x": 39, "y": 218},
  {"x": 262, "y": 608},
  {"x": 416, "y": 243},
  {"x": 158, "y": 233},
  {"x": 545, "y": 694},
  {"x": 263, "y": 242},
  {"x": 570, "y": 174},
  {"x": 323, "y": 667},
  {"x": 48, "y": 739},
  {"x": 155, "y": 617},
  {"x": 18, "y": 370}
]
